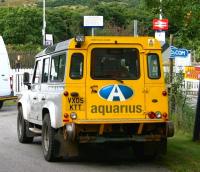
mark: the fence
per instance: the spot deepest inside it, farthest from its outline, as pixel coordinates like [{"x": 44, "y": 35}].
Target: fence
[
  {"x": 26, "y": 58},
  {"x": 189, "y": 86}
]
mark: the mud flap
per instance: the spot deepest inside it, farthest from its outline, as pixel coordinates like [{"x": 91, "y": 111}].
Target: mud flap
[{"x": 66, "y": 150}]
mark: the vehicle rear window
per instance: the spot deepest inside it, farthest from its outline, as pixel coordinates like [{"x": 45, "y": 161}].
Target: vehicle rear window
[
  {"x": 115, "y": 63},
  {"x": 76, "y": 69},
  {"x": 153, "y": 66},
  {"x": 58, "y": 68}
]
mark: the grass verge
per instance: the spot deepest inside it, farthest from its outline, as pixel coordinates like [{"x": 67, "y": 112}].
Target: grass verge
[
  {"x": 183, "y": 154},
  {"x": 10, "y": 103}
]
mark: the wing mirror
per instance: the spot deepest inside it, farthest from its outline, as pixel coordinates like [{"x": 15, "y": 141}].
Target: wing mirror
[{"x": 26, "y": 78}]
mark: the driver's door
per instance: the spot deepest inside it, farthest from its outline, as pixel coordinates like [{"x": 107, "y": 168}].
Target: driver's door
[{"x": 35, "y": 90}]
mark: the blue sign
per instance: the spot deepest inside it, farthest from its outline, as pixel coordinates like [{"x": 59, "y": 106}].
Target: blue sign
[
  {"x": 116, "y": 92},
  {"x": 178, "y": 52}
]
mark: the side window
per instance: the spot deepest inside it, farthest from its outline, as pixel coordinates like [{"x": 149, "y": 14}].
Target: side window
[
  {"x": 76, "y": 69},
  {"x": 58, "y": 68},
  {"x": 36, "y": 76},
  {"x": 153, "y": 66},
  {"x": 45, "y": 70}
]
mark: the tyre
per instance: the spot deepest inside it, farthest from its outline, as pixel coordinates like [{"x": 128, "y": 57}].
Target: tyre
[
  {"x": 22, "y": 127},
  {"x": 48, "y": 139},
  {"x": 1, "y": 104}
]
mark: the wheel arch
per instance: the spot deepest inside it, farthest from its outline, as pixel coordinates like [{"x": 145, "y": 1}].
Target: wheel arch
[
  {"x": 53, "y": 114},
  {"x": 44, "y": 112},
  {"x": 24, "y": 110}
]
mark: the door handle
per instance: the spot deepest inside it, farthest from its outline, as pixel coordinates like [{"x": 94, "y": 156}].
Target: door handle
[
  {"x": 146, "y": 90},
  {"x": 154, "y": 100},
  {"x": 34, "y": 98},
  {"x": 43, "y": 98}
]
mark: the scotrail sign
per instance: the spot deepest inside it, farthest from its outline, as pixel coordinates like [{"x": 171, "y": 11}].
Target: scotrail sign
[{"x": 178, "y": 52}]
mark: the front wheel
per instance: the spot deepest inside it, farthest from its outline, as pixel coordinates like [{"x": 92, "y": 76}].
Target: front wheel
[
  {"x": 48, "y": 139},
  {"x": 22, "y": 127}
]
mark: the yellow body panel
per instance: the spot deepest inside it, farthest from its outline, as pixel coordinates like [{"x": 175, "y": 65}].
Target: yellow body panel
[{"x": 92, "y": 109}]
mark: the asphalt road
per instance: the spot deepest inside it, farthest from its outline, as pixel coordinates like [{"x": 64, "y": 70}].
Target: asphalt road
[{"x": 17, "y": 157}]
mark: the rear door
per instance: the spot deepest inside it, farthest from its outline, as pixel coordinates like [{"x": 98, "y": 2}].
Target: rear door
[
  {"x": 155, "y": 99},
  {"x": 75, "y": 84},
  {"x": 115, "y": 82}
]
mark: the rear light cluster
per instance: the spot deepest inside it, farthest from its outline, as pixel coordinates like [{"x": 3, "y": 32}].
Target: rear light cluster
[
  {"x": 157, "y": 115},
  {"x": 66, "y": 93},
  {"x": 164, "y": 93},
  {"x": 67, "y": 117}
]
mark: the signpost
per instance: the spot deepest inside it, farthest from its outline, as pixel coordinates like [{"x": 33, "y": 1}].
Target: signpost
[
  {"x": 160, "y": 36},
  {"x": 182, "y": 58},
  {"x": 93, "y": 22},
  {"x": 49, "y": 40},
  {"x": 178, "y": 52},
  {"x": 160, "y": 24},
  {"x": 44, "y": 22}
]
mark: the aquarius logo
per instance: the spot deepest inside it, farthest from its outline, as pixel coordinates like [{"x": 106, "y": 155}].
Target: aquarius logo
[{"x": 116, "y": 92}]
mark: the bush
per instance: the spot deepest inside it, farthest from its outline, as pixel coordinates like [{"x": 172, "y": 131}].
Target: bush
[{"x": 181, "y": 111}]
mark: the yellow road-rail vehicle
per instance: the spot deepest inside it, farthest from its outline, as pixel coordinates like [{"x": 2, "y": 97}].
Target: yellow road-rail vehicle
[{"x": 96, "y": 89}]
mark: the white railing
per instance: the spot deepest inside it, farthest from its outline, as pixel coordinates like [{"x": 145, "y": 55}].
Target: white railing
[
  {"x": 17, "y": 74},
  {"x": 191, "y": 87}
]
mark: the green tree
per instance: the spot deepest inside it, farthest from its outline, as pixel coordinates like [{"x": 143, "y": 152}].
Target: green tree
[{"x": 21, "y": 25}]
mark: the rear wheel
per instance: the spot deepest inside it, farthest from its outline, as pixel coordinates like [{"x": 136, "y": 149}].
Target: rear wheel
[
  {"x": 1, "y": 104},
  {"x": 22, "y": 127},
  {"x": 48, "y": 139}
]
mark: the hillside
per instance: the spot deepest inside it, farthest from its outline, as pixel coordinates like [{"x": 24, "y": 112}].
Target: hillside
[
  {"x": 17, "y": 2},
  {"x": 54, "y": 3}
]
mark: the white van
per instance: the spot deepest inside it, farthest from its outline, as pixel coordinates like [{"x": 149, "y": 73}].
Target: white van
[{"x": 6, "y": 83}]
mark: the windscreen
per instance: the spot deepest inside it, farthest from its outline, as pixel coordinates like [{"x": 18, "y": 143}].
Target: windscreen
[{"x": 115, "y": 63}]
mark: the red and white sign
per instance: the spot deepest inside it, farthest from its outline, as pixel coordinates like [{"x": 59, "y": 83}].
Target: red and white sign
[
  {"x": 192, "y": 72},
  {"x": 160, "y": 24}
]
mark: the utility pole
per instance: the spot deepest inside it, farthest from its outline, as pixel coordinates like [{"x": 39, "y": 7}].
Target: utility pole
[
  {"x": 93, "y": 31},
  {"x": 171, "y": 66},
  {"x": 135, "y": 28},
  {"x": 171, "y": 61},
  {"x": 44, "y": 23},
  {"x": 160, "y": 16}
]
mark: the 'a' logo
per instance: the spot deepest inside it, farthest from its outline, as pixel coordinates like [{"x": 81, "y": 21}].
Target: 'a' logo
[{"x": 116, "y": 92}]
